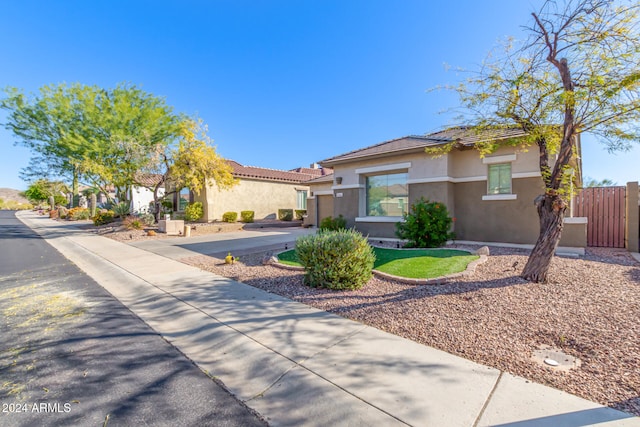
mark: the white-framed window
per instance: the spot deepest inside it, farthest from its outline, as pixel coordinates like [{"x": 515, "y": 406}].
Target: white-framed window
[
  {"x": 499, "y": 179},
  {"x": 387, "y": 195},
  {"x": 301, "y": 199}
]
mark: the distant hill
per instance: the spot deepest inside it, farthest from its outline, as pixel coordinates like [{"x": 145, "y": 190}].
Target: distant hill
[{"x": 7, "y": 194}]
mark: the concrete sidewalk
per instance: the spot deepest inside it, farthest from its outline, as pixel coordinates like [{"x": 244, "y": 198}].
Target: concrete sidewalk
[{"x": 297, "y": 365}]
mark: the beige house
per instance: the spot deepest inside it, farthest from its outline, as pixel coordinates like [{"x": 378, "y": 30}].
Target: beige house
[
  {"x": 261, "y": 190},
  {"x": 491, "y": 197}
]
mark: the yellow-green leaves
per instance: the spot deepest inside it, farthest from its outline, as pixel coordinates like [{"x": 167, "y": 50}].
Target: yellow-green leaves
[{"x": 196, "y": 162}]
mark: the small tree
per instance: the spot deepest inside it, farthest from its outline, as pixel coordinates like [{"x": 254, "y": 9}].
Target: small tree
[
  {"x": 42, "y": 189},
  {"x": 577, "y": 73}
]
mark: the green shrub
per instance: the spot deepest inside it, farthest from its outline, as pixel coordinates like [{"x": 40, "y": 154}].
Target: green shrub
[
  {"x": 60, "y": 200},
  {"x": 285, "y": 214},
  {"x": 247, "y": 216},
  {"x": 335, "y": 259},
  {"x": 77, "y": 213},
  {"x": 427, "y": 225},
  {"x": 230, "y": 216},
  {"x": 147, "y": 219},
  {"x": 300, "y": 213},
  {"x": 103, "y": 217},
  {"x": 333, "y": 224},
  {"x": 122, "y": 209},
  {"x": 193, "y": 211},
  {"x": 132, "y": 223}
]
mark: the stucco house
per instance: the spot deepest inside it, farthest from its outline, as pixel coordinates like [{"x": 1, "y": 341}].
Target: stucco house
[
  {"x": 491, "y": 197},
  {"x": 261, "y": 190}
]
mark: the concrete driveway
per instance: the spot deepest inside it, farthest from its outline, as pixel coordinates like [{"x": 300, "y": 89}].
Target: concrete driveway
[{"x": 238, "y": 243}]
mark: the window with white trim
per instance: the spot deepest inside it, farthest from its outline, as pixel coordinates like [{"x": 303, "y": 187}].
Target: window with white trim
[
  {"x": 499, "y": 178},
  {"x": 387, "y": 195},
  {"x": 301, "y": 199}
]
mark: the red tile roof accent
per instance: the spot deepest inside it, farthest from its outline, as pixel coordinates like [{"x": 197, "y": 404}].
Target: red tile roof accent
[{"x": 294, "y": 176}]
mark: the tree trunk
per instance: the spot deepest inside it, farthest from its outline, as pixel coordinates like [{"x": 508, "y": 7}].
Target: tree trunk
[{"x": 551, "y": 209}]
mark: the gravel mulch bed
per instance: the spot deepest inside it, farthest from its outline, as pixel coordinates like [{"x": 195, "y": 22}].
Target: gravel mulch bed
[
  {"x": 117, "y": 231},
  {"x": 590, "y": 310}
]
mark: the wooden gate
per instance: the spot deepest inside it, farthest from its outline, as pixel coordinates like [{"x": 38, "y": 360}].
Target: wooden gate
[{"x": 605, "y": 209}]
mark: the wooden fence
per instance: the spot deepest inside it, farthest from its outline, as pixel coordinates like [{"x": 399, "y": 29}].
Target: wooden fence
[{"x": 605, "y": 209}]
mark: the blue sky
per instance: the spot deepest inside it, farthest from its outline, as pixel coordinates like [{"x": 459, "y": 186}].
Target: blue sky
[{"x": 281, "y": 84}]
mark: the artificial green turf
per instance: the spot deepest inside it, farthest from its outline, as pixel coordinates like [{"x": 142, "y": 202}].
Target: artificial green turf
[
  {"x": 413, "y": 264},
  {"x": 289, "y": 258}
]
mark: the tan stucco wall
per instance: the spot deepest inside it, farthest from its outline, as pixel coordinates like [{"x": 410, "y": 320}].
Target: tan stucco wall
[
  {"x": 435, "y": 192},
  {"x": 512, "y": 221},
  {"x": 457, "y": 165},
  {"x": 262, "y": 197},
  {"x": 325, "y": 207},
  {"x": 377, "y": 229},
  {"x": 459, "y": 180},
  {"x": 574, "y": 235},
  {"x": 467, "y": 163},
  {"x": 346, "y": 205}
]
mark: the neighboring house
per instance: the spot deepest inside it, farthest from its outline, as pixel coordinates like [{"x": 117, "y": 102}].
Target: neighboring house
[
  {"x": 261, "y": 190},
  {"x": 491, "y": 197},
  {"x": 141, "y": 197}
]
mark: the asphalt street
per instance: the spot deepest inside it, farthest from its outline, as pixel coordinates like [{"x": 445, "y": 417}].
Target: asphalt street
[{"x": 72, "y": 355}]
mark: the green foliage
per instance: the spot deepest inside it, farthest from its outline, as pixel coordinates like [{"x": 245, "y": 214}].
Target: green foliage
[
  {"x": 59, "y": 199},
  {"x": 247, "y": 216},
  {"x": 300, "y": 213},
  {"x": 193, "y": 211},
  {"x": 422, "y": 264},
  {"x": 40, "y": 190},
  {"x": 147, "y": 219},
  {"x": 13, "y": 205},
  {"x": 334, "y": 224},
  {"x": 335, "y": 259},
  {"x": 132, "y": 223},
  {"x": 102, "y": 135},
  {"x": 427, "y": 225},
  {"x": 104, "y": 217},
  {"x": 230, "y": 216},
  {"x": 77, "y": 213},
  {"x": 285, "y": 214},
  {"x": 412, "y": 264},
  {"x": 36, "y": 192},
  {"x": 195, "y": 162},
  {"x": 122, "y": 209},
  {"x": 591, "y": 182}
]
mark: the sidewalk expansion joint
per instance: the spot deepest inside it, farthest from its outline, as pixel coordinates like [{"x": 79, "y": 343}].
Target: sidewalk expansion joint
[
  {"x": 486, "y": 402},
  {"x": 295, "y": 363}
]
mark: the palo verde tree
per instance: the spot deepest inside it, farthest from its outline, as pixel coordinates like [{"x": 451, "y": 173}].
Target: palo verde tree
[
  {"x": 191, "y": 163},
  {"x": 51, "y": 126},
  {"x": 79, "y": 132},
  {"x": 577, "y": 72}
]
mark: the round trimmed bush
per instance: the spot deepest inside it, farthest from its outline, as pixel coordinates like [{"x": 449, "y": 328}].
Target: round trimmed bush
[
  {"x": 193, "y": 211},
  {"x": 338, "y": 260},
  {"x": 427, "y": 225}
]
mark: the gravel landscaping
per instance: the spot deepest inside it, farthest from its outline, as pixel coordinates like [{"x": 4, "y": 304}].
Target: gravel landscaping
[{"x": 589, "y": 310}]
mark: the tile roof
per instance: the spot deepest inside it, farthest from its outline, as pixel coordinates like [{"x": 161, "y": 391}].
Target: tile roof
[
  {"x": 294, "y": 176},
  {"x": 465, "y": 136},
  {"x": 148, "y": 179}
]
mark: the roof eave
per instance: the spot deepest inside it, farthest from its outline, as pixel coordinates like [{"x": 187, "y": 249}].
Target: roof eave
[{"x": 331, "y": 163}]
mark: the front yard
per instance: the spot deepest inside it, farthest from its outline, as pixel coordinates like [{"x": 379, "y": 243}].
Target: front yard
[
  {"x": 590, "y": 310},
  {"x": 411, "y": 263}
]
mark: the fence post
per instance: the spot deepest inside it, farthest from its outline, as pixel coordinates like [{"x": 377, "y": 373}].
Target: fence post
[{"x": 632, "y": 234}]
